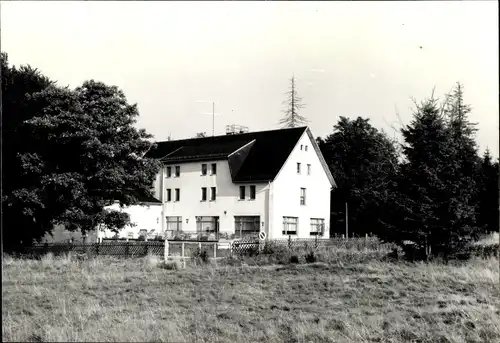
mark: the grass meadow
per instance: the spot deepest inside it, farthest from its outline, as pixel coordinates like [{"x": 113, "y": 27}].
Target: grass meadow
[{"x": 136, "y": 300}]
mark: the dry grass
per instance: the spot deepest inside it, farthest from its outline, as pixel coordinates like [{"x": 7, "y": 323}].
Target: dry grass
[
  {"x": 490, "y": 239},
  {"x": 136, "y": 300}
]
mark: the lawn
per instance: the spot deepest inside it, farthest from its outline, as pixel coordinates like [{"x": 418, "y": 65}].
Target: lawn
[{"x": 134, "y": 300}]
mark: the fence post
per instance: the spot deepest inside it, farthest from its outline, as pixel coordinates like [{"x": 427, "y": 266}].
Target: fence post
[
  {"x": 215, "y": 250},
  {"x": 127, "y": 249},
  {"x": 97, "y": 249},
  {"x": 165, "y": 251},
  {"x": 199, "y": 245},
  {"x": 289, "y": 242},
  {"x": 182, "y": 250}
]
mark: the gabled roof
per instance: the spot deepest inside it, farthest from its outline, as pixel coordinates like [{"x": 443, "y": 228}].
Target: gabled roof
[
  {"x": 143, "y": 198},
  {"x": 252, "y": 157}
]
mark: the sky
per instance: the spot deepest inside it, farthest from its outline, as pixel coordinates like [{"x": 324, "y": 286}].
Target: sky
[{"x": 350, "y": 59}]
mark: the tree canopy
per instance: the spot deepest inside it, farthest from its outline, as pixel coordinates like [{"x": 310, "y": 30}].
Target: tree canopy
[
  {"x": 363, "y": 162},
  {"x": 438, "y": 194},
  {"x": 70, "y": 153}
]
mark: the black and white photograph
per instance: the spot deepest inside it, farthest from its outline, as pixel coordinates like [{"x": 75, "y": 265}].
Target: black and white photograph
[{"x": 250, "y": 171}]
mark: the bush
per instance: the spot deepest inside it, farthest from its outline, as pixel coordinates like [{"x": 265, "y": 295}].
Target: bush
[
  {"x": 169, "y": 265},
  {"x": 199, "y": 256},
  {"x": 294, "y": 259},
  {"x": 310, "y": 257}
]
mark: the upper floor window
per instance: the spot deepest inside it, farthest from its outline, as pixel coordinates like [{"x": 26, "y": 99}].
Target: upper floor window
[
  {"x": 204, "y": 194},
  {"x": 204, "y": 169},
  {"x": 302, "y": 196},
  {"x": 242, "y": 192},
  {"x": 213, "y": 192},
  {"x": 169, "y": 171},
  {"x": 177, "y": 171},
  {"x": 298, "y": 168},
  {"x": 169, "y": 194},
  {"x": 252, "y": 192},
  {"x": 214, "y": 168},
  {"x": 177, "y": 194},
  {"x": 308, "y": 169}
]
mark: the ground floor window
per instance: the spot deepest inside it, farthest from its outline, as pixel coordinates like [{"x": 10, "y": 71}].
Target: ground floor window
[
  {"x": 246, "y": 226},
  {"x": 290, "y": 225},
  {"x": 317, "y": 226},
  {"x": 207, "y": 224},
  {"x": 173, "y": 227}
]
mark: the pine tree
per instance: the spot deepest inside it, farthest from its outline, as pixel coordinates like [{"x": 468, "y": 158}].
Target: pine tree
[
  {"x": 437, "y": 179},
  {"x": 293, "y": 104},
  {"x": 465, "y": 157},
  {"x": 488, "y": 192}
]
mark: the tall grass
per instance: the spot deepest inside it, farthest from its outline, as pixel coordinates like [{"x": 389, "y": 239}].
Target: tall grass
[{"x": 344, "y": 297}]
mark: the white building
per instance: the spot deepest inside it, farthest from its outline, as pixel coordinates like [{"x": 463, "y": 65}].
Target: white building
[
  {"x": 229, "y": 186},
  {"x": 145, "y": 219}
]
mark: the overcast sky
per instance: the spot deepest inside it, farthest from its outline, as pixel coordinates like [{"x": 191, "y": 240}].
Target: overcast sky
[{"x": 350, "y": 58}]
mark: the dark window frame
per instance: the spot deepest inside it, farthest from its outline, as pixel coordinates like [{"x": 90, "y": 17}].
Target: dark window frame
[{"x": 253, "y": 192}]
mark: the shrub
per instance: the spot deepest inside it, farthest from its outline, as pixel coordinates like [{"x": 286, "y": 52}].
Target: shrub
[
  {"x": 199, "y": 256},
  {"x": 170, "y": 265},
  {"x": 310, "y": 257},
  {"x": 294, "y": 259}
]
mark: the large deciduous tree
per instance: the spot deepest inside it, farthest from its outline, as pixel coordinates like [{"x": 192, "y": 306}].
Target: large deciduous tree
[
  {"x": 363, "y": 162},
  {"x": 71, "y": 153}
]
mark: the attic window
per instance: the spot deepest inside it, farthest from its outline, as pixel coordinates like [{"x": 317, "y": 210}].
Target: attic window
[
  {"x": 298, "y": 167},
  {"x": 306, "y": 147},
  {"x": 169, "y": 171},
  {"x": 301, "y": 146}
]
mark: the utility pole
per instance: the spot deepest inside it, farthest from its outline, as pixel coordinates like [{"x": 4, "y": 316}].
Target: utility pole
[{"x": 346, "y": 222}]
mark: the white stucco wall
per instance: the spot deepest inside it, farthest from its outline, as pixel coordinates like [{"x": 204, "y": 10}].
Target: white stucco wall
[
  {"x": 147, "y": 217},
  {"x": 286, "y": 192},
  {"x": 227, "y": 203}
]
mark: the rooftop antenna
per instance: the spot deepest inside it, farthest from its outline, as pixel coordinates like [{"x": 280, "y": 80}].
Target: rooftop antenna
[{"x": 213, "y": 115}]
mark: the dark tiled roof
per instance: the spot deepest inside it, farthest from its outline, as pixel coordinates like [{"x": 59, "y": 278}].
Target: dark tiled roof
[
  {"x": 253, "y": 156},
  {"x": 145, "y": 198}
]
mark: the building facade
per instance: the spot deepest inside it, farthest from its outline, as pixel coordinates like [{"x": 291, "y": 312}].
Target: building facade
[{"x": 234, "y": 186}]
